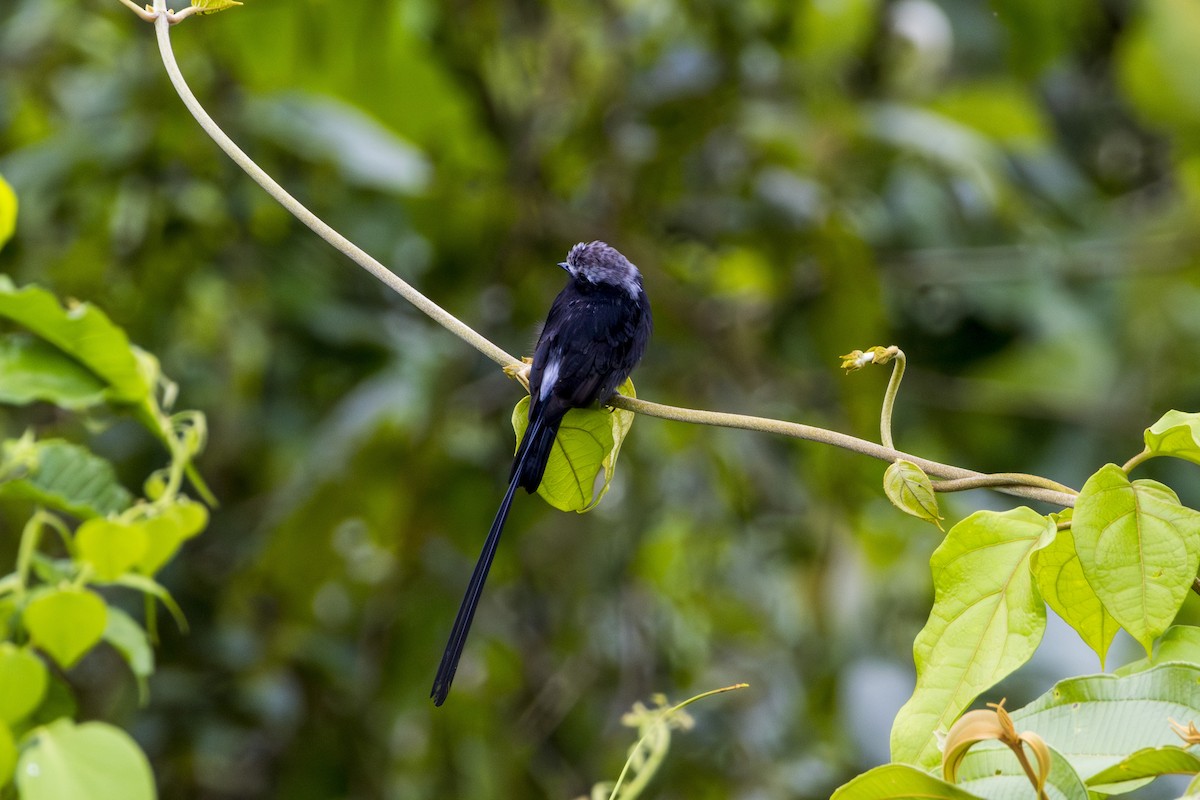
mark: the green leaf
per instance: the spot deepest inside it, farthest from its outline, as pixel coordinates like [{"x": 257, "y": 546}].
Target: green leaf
[
  {"x": 66, "y": 623},
  {"x": 992, "y": 770},
  {"x": 1149, "y": 762},
  {"x": 1062, "y": 583},
  {"x": 163, "y": 538},
  {"x": 1096, "y": 721},
  {"x": 1157, "y": 62},
  {"x": 1138, "y": 549},
  {"x": 94, "y": 760},
  {"x": 23, "y": 679},
  {"x": 133, "y": 643},
  {"x": 987, "y": 619},
  {"x": 111, "y": 547},
  {"x": 900, "y": 782},
  {"x": 33, "y": 370},
  {"x": 1179, "y": 643},
  {"x": 70, "y": 478},
  {"x": 911, "y": 491},
  {"x": 213, "y": 6},
  {"x": 83, "y": 332},
  {"x": 8, "y": 755},
  {"x": 8, "y": 211},
  {"x": 166, "y": 533},
  {"x": 1177, "y": 433},
  {"x": 584, "y": 456}
]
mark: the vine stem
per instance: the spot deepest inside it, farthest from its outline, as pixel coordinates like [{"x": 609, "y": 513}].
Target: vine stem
[
  {"x": 889, "y": 397},
  {"x": 352, "y": 251},
  {"x": 1062, "y": 496},
  {"x": 512, "y": 365}
]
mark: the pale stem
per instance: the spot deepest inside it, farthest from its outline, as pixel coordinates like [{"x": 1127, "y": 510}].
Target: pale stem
[{"x": 889, "y": 397}]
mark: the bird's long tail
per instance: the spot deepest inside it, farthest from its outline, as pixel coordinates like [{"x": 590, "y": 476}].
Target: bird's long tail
[
  {"x": 530, "y": 464},
  {"x": 466, "y": 611}
]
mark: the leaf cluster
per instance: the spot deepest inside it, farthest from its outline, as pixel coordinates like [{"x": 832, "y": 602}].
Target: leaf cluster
[{"x": 63, "y": 599}]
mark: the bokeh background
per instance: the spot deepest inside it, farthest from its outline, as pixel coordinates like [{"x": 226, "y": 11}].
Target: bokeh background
[{"x": 1008, "y": 190}]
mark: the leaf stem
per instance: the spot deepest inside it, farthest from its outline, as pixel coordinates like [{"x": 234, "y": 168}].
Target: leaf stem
[{"x": 1140, "y": 458}]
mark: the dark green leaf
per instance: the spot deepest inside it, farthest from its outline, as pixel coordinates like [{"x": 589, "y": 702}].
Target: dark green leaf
[
  {"x": 32, "y": 370},
  {"x": 70, "y": 478}
]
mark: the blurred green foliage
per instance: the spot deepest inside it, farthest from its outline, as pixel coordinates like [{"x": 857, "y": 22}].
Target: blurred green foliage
[{"x": 1006, "y": 190}]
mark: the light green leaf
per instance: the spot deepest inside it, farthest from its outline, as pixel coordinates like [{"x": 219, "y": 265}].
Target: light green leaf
[
  {"x": 8, "y": 211},
  {"x": 1138, "y": 548},
  {"x": 133, "y": 643},
  {"x": 1179, "y": 643},
  {"x": 1096, "y": 721},
  {"x": 1157, "y": 62},
  {"x": 111, "y": 547},
  {"x": 68, "y": 477},
  {"x": 1062, "y": 583},
  {"x": 987, "y": 619},
  {"x": 900, "y": 782},
  {"x": 83, "y": 332},
  {"x": 1149, "y": 762},
  {"x": 911, "y": 491},
  {"x": 94, "y": 760},
  {"x": 1177, "y": 433},
  {"x": 66, "y": 623},
  {"x": 992, "y": 770},
  {"x": 23, "y": 679},
  {"x": 164, "y": 534},
  {"x": 33, "y": 370},
  {"x": 213, "y": 6},
  {"x": 163, "y": 537},
  {"x": 8, "y": 755},
  {"x": 584, "y": 456},
  {"x": 190, "y": 516}
]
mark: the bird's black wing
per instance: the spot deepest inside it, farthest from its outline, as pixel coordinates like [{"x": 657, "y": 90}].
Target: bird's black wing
[{"x": 589, "y": 345}]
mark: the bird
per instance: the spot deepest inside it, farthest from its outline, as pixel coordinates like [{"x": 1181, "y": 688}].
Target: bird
[{"x": 594, "y": 335}]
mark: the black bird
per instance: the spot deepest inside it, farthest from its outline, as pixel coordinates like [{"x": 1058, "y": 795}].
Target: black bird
[{"x": 594, "y": 336}]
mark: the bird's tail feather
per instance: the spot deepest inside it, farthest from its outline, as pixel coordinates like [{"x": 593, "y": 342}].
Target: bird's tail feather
[
  {"x": 534, "y": 452},
  {"x": 466, "y": 611}
]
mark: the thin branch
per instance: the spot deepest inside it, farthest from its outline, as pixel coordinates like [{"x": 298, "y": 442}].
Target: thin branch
[
  {"x": 813, "y": 434},
  {"x": 996, "y": 479},
  {"x": 298, "y": 210},
  {"x": 513, "y": 366}
]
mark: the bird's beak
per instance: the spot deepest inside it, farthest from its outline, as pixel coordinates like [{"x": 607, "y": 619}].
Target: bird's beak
[{"x": 564, "y": 265}]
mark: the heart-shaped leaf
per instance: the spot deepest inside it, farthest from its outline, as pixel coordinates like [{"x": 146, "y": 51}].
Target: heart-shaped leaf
[
  {"x": 1138, "y": 549},
  {"x": 584, "y": 455},
  {"x": 94, "y": 760},
  {"x": 23, "y": 679},
  {"x": 163, "y": 537},
  {"x": 112, "y": 548},
  {"x": 66, "y": 623}
]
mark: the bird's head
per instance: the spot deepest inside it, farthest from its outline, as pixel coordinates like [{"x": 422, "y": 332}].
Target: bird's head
[{"x": 599, "y": 264}]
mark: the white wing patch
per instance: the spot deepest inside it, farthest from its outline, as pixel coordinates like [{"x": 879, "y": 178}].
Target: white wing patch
[{"x": 549, "y": 378}]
